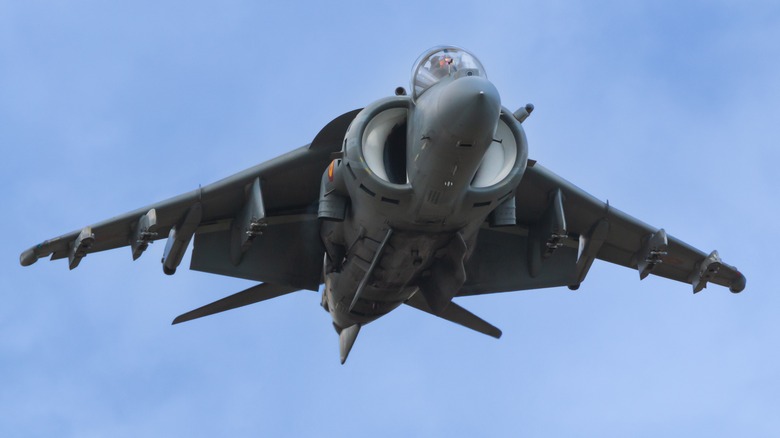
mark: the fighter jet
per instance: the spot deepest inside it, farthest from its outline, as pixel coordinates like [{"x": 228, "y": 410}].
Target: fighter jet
[{"x": 415, "y": 199}]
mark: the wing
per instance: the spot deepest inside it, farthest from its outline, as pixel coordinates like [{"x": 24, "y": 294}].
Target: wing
[
  {"x": 562, "y": 229},
  {"x": 259, "y": 224}
]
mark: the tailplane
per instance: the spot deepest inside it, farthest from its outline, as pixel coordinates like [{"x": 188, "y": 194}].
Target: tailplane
[
  {"x": 254, "y": 294},
  {"x": 455, "y": 313}
]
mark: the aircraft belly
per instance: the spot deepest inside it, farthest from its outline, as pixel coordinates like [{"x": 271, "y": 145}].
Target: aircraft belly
[{"x": 405, "y": 259}]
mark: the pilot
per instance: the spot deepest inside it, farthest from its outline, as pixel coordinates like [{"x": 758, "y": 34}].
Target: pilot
[{"x": 442, "y": 66}]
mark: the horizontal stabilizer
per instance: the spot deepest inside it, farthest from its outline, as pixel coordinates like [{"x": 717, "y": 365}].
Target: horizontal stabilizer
[
  {"x": 254, "y": 294},
  {"x": 458, "y": 315}
]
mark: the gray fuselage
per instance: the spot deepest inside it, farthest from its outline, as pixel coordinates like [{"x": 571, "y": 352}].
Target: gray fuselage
[{"x": 409, "y": 196}]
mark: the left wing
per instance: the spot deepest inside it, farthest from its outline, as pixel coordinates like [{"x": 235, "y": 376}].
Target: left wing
[
  {"x": 233, "y": 220},
  {"x": 562, "y": 229}
]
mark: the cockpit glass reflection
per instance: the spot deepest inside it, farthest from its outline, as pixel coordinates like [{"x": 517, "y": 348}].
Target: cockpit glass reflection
[{"x": 443, "y": 62}]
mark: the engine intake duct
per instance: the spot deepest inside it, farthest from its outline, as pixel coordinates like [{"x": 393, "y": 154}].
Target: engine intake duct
[
  {"x": 395, "y": 154},
  {"x": 384, "y": 145}
]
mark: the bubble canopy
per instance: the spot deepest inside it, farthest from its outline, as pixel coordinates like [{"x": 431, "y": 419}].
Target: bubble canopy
[{"x": 443, "y": 62}]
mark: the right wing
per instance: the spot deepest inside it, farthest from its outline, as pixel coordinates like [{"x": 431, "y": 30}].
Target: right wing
[
  {"x": 561, "y": 230},
  {"x": 274, "y": 201}
]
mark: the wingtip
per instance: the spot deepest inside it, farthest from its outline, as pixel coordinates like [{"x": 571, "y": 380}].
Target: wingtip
[
  {"x": 28, "y": 257},
  {"x": 739, "y": 284}
]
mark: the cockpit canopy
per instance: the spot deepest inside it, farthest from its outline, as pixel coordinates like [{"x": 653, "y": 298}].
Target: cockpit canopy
[{"x": 443, "y": 62}]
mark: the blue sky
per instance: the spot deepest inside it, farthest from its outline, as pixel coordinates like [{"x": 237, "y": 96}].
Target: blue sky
[{"x": 668, "y": 109}]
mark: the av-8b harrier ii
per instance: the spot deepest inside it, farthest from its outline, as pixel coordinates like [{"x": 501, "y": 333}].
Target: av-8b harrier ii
[{"x": 414, "y": 199}]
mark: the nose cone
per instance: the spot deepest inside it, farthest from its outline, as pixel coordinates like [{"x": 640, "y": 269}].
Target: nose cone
[{"x": 469, "y": 107}]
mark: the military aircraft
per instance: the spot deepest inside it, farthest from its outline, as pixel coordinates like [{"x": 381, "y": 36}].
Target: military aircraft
[{"x": 414, "y": 199}]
